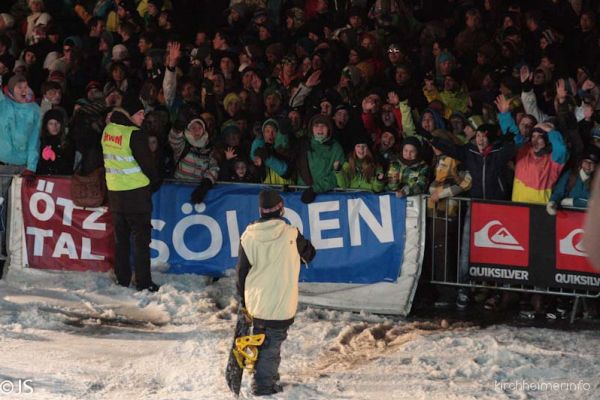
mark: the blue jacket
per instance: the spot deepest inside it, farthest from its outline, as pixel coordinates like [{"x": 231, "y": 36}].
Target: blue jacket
[
  {"x": 20, "y": 127},
  {"x": 580, "y": 192}
]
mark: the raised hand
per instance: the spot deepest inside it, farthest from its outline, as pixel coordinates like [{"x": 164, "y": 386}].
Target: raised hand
[
  {"x": 525, "y": 74},
  {"x": 314, "y": 79},
  {"x": 502, "y": 103},
  {"x": 588, "y": 85},
  {"x": 561, "y": 90},
  {"x": 173, "y": 54},
  {"x": 230, "y": 153},
  {"x": 368, "y": 104}
]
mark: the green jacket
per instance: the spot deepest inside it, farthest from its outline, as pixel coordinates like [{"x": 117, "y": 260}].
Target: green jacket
[
  {"x": 321, "y": 157},
  {"x": 358, "y": 181}
]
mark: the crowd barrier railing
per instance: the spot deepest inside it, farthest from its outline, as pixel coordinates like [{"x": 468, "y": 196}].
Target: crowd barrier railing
[{"x": 508, "y": 246}]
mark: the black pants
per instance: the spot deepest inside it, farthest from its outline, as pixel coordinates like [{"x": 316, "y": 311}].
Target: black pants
[
  {"x": 134, "y": 226},
  {"x": 266, "y": 376}
]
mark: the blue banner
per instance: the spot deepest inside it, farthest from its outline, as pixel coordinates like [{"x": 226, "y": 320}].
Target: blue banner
[{"x": 359, "y": 236}]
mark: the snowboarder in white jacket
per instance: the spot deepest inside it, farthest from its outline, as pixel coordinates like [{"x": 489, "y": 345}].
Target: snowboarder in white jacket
[{"x": 268, "y": 269}]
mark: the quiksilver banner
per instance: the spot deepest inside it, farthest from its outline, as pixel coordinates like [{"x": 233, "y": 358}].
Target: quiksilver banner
[{"x": 522, "y": 244}]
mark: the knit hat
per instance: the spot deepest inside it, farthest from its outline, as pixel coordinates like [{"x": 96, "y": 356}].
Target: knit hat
[
  {"x": 73, "y": 41},
  {"x": 157, "y": 3},
  {"x": 120, "y": 52},
  {"x": 8, "y": 19},
  {"x": 230, "y": 128},
  {"x": 270, "y": 203},
  {"x": 271, "y": 122},
  {"x": 549, "y": 36},
  {"x": 321, "y": 119},
  {"x": 272, "y": 90},
  {"x": 18, "y": 65},
  {"x": 55, "y": 114},
  {"x": 12, "y": 82},
  {"x": 413, "y": 141},
  {"x": 108, "y": 38},
  {"x": 132, "y": 104},
  {"x": 229, "y": 99},
  {"x": 50, "y": 58},
  {"x": 276, "y": 49},
  {"x": 359, "y": 137},
  {"x": 239, "y": 8},
  {"x": 489, "y": 129},
  {"x": 590, "y": 154}
]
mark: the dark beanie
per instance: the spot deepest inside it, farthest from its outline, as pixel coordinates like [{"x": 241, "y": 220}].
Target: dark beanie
[
  {"x": 414, "y": 142},
  {"x": 270, "y": 203},
  {"x": 132, "y": 105}
]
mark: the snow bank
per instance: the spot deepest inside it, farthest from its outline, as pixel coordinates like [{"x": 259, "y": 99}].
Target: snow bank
[{"x": 77, "y": 335}]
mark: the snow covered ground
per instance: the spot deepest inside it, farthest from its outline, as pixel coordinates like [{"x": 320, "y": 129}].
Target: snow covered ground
[{"x": 78, "y": 336}]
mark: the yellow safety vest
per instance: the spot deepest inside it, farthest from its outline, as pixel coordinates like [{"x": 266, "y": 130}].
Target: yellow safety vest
[{"x": 122, "y": 170}]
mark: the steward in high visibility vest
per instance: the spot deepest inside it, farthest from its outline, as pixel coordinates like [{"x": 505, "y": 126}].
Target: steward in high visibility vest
[
  {"x": 122, "y": 170},
  {"x": 131, "y": 177}
]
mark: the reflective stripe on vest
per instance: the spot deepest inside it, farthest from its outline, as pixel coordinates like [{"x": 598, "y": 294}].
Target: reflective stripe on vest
[{"x": 122, "y": 170}]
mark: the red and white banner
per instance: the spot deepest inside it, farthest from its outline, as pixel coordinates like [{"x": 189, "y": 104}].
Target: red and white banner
[
  {"x": 570, "y": 254},
  {"x": 499, "y": 235},
  {"x": 60, "y": 235}
]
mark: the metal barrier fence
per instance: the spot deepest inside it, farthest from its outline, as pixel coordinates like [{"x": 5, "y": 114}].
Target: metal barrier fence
[{"x": 446, "y": 260}]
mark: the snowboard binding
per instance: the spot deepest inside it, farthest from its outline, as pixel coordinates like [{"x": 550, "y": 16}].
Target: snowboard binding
[{"x": 246, "y": 350}]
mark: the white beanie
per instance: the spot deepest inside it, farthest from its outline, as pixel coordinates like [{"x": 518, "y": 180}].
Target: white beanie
[
  {"x": 19, "y": 64},
  {"x": 119, "y": 52},
  {"x": 9, "y": 20},
  {"x": 58, "y": 65},
  {"x": 50, "y": 58}
]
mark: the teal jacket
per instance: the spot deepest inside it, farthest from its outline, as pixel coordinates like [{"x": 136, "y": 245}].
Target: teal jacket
[
  {"x": 20, "y": 127},
  {"x": 579, "y": 191}
]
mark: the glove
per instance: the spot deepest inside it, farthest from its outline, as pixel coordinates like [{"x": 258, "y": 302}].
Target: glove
[
  {"x": 48, "y": 153},
  {"x": 28, "y": 176},
  {"x": 308, "y": 196},
  {"x": 425, "y": 135},
  {"x": 567, "y": 202},
  {"x": 199, "y": 193},
  {"x": 551, "y": 208}
]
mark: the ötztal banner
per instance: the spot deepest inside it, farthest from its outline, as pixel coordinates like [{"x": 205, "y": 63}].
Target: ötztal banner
[{"x": 60, "y": 235}]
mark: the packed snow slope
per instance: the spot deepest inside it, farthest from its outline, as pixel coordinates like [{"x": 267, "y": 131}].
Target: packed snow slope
[{"x": 78, "y": 336}]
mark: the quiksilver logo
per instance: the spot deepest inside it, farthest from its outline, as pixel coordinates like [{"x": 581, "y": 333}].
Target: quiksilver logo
[
  {"x": 501, "y": 239},
  {"x": 570, "y": 246}
]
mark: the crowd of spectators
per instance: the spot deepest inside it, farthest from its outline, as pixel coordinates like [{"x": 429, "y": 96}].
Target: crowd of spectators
[{"x": 492, "y": 99}]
